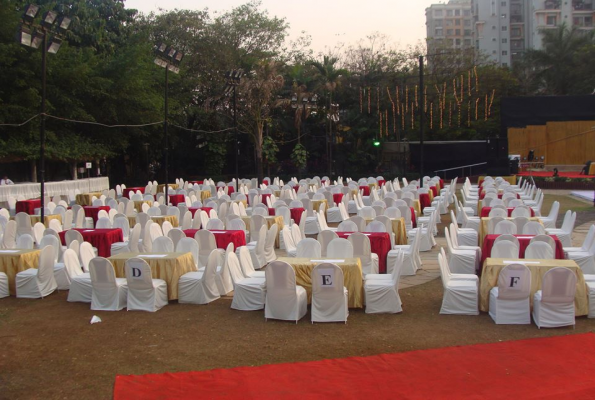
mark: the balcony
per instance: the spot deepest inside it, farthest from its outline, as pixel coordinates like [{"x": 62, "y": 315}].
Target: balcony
[{"x": 582, "y": 5}]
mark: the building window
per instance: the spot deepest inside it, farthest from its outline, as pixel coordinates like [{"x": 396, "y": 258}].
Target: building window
[
  {"x": 503, "y": 16},
  {"x": 493, "y": 27},
  {"x": 504, "y": 28},
  {"x": 458, "y": 42},
  {"x": 449, "y": 22},
  {"x": 505, "y": 64},
  {"x": 503, "y": 4},
  {"x": 449, "y": 32},
  {"x": 468, "y": 32},
  {"x": 504, "y": 40},
  {"x": 457, "y": 22},
  {"x": 493, "y": 40},
  {"x": 467, "y": 22},
  {"x": 504, "y": 52},
  {"x": 438, "y": 23},
  {"x": 515, "y": 32},
  {"x": 457, "y": 13},
  {"x": 467, "y": 13},
  {"x": 550, "y": 20},
  {"x": 458, "y": 32},
  {"x": 449, "y": 13},
  {"x": 439, "y": 32},
  {"x": 467, "y": 42},
  {"x": 438, "y": 14}
]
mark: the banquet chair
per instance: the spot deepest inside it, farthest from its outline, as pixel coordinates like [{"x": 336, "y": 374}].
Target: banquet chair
[
  {"x": 461, "y": 261},
  {"x": 222, "y": 275},
  {"x": 288, "y": 241},
  {"x": 38, "y": 229},
  {"x": 347, "y": 226},
  {"x": 238, "y": 224},
  {"x": 86, "y": 254},
  {"x": 25, "y": 241},
  {"x": 284, "y": 299},
  {"x": 186, "y": 220},
  {"x": 362, "y": 250},
  {"x": 508, "y": 237},
  {"x": 392, "y": 213},
  {"x": 155, "y": 231},
  {"x": 124, "y": 225},
  {"x": 269, "y": 244},
  {"x": 23, "y": 222},
  {"x": 4, "y": 290},
  {"x": 521, "y": 211},
  {"x": 549, "y": 222},
  {"x": 129, "y": 246},
  {"x": 176, "y": 235},
  {"x": 381, "y": 292},
  {"x": 166, "y": 226},
  {"x": 459, "y": 296},
  {"x": 520, "y": 223},
  {"x": 465, "y": 236},
  {"x": 324, "y": 238},
  {"x": 565, "y": 232},
  {"x": 246, "y": 264},
  {"x": 411, "y": 259},
  {"x": 359, "y": 221},
  {"x": 309, "y": 248},
  {"x": 215, "y": 224},
  {"x": 144, "y": 292},
  {"x": 584, "y": 259},
  {"x": 38, "y": 282},
  {"x": 587, "y": 242},
  {"x": 256, "y": 222},
  {"x": 248, "y": 292},
  {"x": 206, "y": 244},
  {"x": 188, "y": 245},
  {"x": 498, "y": 212},
  {"x": 339, "y": 248},
  {"x": 329, "y": 295},
  {"x": 553, "y": 305},
  {"x": 200, "y": 287},
  {"x": 163, "y": 244},
  {"x": 539, "y": 250},
  {"x": 533, "y": 228},
  {"x": 80, "y": 282},
  {"x": 51, "y": 238},
  {"x": 505, "y": 249},
  {"x": 509, "y": 300},
  {"x": 102, "y": 223},
  {"x": 505, "y": 226}
]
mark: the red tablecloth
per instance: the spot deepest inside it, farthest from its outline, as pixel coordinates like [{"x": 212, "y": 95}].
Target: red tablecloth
[
  {"x": 524, "y": 241},
  {"x": 424, "y": 201},
  {"x": 266, "y": 182},
  {"x": 196, "y": 182},
  {"x": 100, "y": 238},
  {"x": 28, "y": 206},
  {"x": 92, "y": 211},
  {"x": 337, "y": 198},
  {"x": 126, "y": 192},
  {"x": 193, "y": 210},
  {"x": 296, "y": 214},
  {"x": 271, "y": 212},
  {"x": 381, "y": 182},
  {"x": 485, "y": 212},
  {"x": 380, "y": 244},
  {"x": 223, "y": 238},
  {"x": 482, "y": 195},
  {"x": 366, "y": 190},
  {"x": 230, "y": 190},
  {"x": 175, "y": 199},
  {"x": 441, "y": 183},
  {"x": 265, "y": 196},
  {"x": 413, "y": 218},
  {"x": 434, "y": 190}
]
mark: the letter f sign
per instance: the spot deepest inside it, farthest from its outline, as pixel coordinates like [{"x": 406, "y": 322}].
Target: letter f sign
[{"x": 514, "y": 280}]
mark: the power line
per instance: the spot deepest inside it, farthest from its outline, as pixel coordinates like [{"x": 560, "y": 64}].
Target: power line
[{"x": 23, "y": 123}]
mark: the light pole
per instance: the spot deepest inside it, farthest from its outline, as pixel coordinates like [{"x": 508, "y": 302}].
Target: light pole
[
  {"x": 170, "y": 59},
  {"x": 34, "y": 35},
  {"x": 234, "y": 78},
  {"x": 306, "y": 104}
]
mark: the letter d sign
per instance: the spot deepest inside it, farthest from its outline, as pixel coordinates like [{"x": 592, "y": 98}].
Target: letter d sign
[{"x": 136, "y": 272}]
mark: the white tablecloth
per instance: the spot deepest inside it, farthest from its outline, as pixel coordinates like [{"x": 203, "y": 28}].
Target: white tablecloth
[{"x": 33, "y": 190}]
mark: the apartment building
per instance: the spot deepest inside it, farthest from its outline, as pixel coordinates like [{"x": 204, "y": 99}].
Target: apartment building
[
  {"x": 503, "y": 30},
  {"x": 449, "y": 25}
]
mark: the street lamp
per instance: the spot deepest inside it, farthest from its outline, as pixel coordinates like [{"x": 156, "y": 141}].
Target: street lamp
[
  {"x": 233, "y": 79},
  {"x": 34, "y": 35},
  {"x": 170, "y": 59}
]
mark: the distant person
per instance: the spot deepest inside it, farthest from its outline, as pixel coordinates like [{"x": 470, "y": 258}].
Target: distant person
[
  {"x": 6, "y": 181},
  {"x": 585, "y": 170},
  {"x": 555, "y": 172}
]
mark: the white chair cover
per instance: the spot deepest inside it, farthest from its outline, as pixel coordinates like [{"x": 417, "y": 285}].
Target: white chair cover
[
  {"x": 329, "y": 296},
  {"x": 248, "y": 293},
  {"x": 309, "y": 248},
  {"x": 382, "y": 291},
  {"x": 553, "y": 305},
  {"x": 284, "y": 299},
  {"x": 539, "y": 250},
  {"x": 460, "y": 296},
  {"x": 339, "y": 248},
  {"x": 200, "y": 287},
  {"x": 108, "y": 292},
  {"x": 35, "y": 283},
  {"x": 509, "y": 301},
  {"x": 144, "y": 292},
  {"x": 505, "y": 249}
]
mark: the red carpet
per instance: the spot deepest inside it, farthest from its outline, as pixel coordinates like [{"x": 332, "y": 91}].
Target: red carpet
[
  {"x": 572, "y": 174},
  {"x": 551, "y": 368}
]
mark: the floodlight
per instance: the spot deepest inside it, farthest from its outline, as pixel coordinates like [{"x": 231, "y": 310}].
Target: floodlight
[
  {"x": 161, "y": 62},
  {"x": 54, "y": 45},
  {"x": 161, "y": 48},
  {"x": 37, "y": 39},
  {"x": 178, "y": 57},
  {"x": 171, "y": 52},
  {"x": 24, "y": 36},
  {"x": 173, "y": 68},
  {"x": 30, "y": 13},
  {"x": 64, "y": 23},
  {"x": 49, "y": 18}
]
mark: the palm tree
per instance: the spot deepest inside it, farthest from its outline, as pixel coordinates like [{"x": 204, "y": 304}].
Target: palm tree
[
  {"x": 556, "y": 62},
  {"x": 330, "y": 78}
]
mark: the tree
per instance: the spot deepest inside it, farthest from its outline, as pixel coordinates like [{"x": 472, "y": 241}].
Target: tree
[{"x": 256, "y": 93}]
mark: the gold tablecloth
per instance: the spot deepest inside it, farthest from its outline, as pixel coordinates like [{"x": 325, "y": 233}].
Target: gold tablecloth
[
  {"x": 509, "y": 179},
  {"x": 14, "y": 262},
  {"x": 352, "y": 277},
  {"x": 46, "y": 219},
  {"x": 591, "y": 169},
  {"x": 493, "y": 266},
  {"x": 271, "y": 220},
  {"x": 85, "y": 199},
  {"x": 316, "y": 205},
  {"x": 417, "y": 207},
  {"x": 162, "y": 218},
  {"x": 400, "y": 231},
  {"x": 204, "y": 195},
  {"x": 169, "y": 268},
  {"x": 372, "y": 185},
  {"x": 131, "y": 220},
  {"x": 161, "y": 188},
  {"x": 138, "y": 204},
  {"x": 483, "y": 227}
]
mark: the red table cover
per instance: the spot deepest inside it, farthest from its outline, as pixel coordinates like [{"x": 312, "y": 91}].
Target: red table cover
[
  {"x": 366, "y": 190},
  {"x": 424, "y": 201},
  {"x": 337, "y": 198},
  {"x": 196, "y": 182},
  {"x": 102, "y": 239},
  {"x": 266, "y": 182},
  {"x": 193, "y": 210},
  {"x": 485, "y": 212},
  {"x": 223, "y": 238},
  {"x": 381, "y": 182},
  {"x": 296, "y": 214},
  {"x": 175, "y": 199},
  {"x": 413, "y": 218},
  {"x": 271, "y": 212},
  {"x": 28, "y": 206},
  {"x": 434, "y": 190},
  {"x": 126, "y": 192},
  {"x": 92, "y": 211},
  {"x": 482, "y": 195},
  {"x": 380, "y": 244},
  {"x": 265, "y": 196},
  {"x": 524, "y": 241}
]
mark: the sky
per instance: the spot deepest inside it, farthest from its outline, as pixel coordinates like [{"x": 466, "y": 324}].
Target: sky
[{"x": 329, "y": 22}]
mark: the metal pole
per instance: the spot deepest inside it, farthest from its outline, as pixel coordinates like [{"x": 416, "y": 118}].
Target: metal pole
[
  {"x": 42, "y": 126},
  {"x": 166, "y": 141},
  {"x": 421, "y": 119},
  {"x": 235, "y": 125}
]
